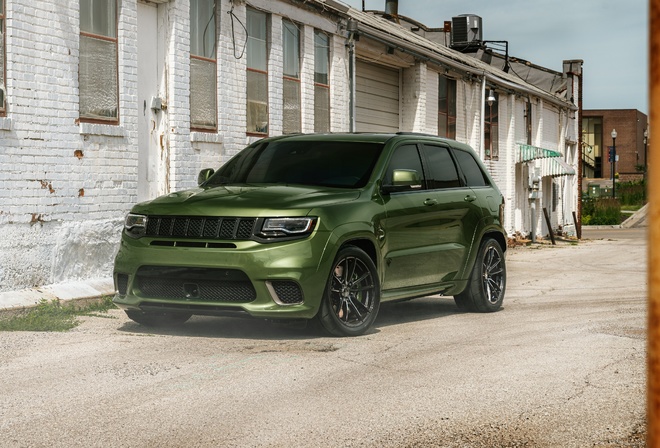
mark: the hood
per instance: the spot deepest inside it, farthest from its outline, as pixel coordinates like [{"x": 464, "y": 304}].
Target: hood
[{"x": 245, "y": 200}]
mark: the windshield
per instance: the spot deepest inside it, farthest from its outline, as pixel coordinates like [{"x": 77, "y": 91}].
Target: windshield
[{"x": 339, "y": 164}]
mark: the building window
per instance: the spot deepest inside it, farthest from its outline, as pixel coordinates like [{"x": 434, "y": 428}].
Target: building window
[
  {"x": 203, "y": 65},
  {"x": 257, "y": 72},
  {"x": 291, "y": 79},
  {"x": 321, "y": 82},
  {"x": 3, "y": 84},
  {"x": 491, "y": 134},
  {"x": 447, "y": 107},
  {"x": 528, "y": 122},
  {"x": 98, "y": 71},
  {"x": 592, "y": 146}
]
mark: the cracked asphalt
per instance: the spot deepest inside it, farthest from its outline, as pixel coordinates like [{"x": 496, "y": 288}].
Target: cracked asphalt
[{"x": 562, "y": 364}]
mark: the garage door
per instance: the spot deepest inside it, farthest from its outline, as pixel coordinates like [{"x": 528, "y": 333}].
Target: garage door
[{"x": 377, "y": 98}]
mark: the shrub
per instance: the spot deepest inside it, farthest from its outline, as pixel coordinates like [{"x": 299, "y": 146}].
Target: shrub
[
  {"x": 631, "y": 193},
  {"x": 602, "y": 211}
]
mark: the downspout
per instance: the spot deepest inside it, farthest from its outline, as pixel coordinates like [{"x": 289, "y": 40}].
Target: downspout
[
  {"x": 482, "y": 120},
  {"x": 350, "y": 44}
]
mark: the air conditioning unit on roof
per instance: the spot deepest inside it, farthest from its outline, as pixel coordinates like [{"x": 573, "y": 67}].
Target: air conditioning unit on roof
[{"x": 466, "y": 32}]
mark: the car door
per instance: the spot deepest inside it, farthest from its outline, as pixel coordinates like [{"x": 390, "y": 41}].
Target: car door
[
  {"x": 424, "y": 225},
  {"x": 457, "y": 211}
]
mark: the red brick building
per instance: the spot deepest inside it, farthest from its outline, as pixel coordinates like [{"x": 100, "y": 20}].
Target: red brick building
[{"x": 631, "y": 143}]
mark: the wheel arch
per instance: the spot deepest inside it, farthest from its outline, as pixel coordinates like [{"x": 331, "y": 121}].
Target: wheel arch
[{"x": 366, "y": 245}]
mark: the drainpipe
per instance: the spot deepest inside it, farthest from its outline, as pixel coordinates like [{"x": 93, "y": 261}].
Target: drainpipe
[
  {"x": 482, "y": 121},
  {"x": 351, "y": 27}
]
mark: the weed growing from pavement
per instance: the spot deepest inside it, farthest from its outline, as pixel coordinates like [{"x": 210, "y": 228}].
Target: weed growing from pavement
[{"x": 54, "y": 316}]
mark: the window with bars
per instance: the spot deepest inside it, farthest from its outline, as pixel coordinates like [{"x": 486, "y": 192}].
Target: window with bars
[
  {"x": 203, "y": 65},
  {"x": 447, "y": 107},
  {"x": 291, "y": 79},
  {"x": 257, "y": 72},
  {"x": 491, "y": 134},
  {"x": 98, "y": 77},
  {"x": 321, "y": 81}
]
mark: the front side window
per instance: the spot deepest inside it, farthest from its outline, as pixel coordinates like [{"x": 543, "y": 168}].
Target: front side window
[
  {"x": 203, "y": 65},
  {"x": 447, "y": 107},
  {"x": 3, "y": 84},
  {"x": 257, "y": 72},
  {"x": 491, "y": 134},
  {"x": 97, "y": 71},
  {"x": 405, "y": 157},
  {"x": 291, "y": 81},
  {"x": 321, "y": 82}
]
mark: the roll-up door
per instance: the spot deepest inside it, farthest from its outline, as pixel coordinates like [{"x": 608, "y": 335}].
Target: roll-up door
[{"x": 377, "y": 98}]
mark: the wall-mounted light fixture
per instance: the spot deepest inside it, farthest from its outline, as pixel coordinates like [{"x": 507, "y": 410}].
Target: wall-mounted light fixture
[{"x": 491, "y": 97}]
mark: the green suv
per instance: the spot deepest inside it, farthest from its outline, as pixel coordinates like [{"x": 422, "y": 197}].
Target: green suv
[{"x": 318, "y": 227}]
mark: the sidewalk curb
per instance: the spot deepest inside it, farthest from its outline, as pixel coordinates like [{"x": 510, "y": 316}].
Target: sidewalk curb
[{"x": 79, "y": 290}]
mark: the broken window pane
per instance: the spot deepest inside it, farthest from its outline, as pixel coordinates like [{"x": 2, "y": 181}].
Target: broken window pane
[
  {"x": 291, "y": 107},
  {"x": 257, "y": 102},
  {"x": 202, "y": 93},
  {"x": 98, "y": 79}
]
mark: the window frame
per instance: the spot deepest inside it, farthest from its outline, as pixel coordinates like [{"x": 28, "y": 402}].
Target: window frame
[
  {"x": 115, "y": 40},
  {"x": 491, "y": 123},
  {"x": 321, "y": 86},
  {"x": 447, "y": 114},
  {"x": 214, "y": 61},
  {"x": 264, "y": 73},
  {"x": 291, "y": 77}
]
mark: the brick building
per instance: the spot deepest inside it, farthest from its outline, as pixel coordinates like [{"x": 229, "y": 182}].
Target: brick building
[
  {"x": 106, "y": 103},
  {"x": 631, "y": 143}
]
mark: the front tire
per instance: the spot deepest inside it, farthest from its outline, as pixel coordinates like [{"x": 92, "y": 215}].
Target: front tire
[
  {"x": 485, "y": 290},
  {"x": 157, "y": 319},
  {"x": 352, "y": 295}
]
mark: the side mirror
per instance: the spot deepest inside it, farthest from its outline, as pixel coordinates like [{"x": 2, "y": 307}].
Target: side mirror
[
  {"x": 204, "y": 175},
  {"x": 404, "y": 180}
]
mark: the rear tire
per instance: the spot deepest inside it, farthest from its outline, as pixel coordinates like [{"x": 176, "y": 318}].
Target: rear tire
[
  {"x": 484, "y": 292},
  {"x": 352, "y": 295},
  {"x": 158, "y": 319}
]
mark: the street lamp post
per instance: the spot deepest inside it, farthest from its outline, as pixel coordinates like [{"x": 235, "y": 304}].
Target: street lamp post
[
  {"x": 613, "y": 163},
  {"x": 646, "y": 142}
]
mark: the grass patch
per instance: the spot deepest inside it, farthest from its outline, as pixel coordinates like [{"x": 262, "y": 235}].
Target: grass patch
[{"x": 54, "y": 316}]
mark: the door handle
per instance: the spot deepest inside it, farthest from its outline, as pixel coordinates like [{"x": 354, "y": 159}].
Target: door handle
[
  {"x": 470, "y": 198},
  {"x": 430, "y": 201}
]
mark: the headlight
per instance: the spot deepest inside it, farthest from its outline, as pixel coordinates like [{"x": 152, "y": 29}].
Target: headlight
[
  {"x": 287, "y": 227},
  {"x": 135, "y": 225}
]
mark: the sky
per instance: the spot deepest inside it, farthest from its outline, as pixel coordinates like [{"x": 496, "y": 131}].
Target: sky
[{"x": 610, "y": 36}]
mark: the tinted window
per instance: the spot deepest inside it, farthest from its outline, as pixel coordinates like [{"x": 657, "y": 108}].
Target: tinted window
[
  {"x": 405, "y": 157},
  {"x": 473, "y": 175},
  {"x": 442, "y": 171},
  {"x": 332, "y": 164}
]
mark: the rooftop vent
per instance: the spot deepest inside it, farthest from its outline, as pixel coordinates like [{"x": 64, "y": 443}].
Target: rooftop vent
[{"x": 466, "y": 32}]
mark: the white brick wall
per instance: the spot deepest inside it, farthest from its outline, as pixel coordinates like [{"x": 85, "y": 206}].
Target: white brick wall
[
  {"x": 70, "y": 183},
  {"x": 66, "y": 186}
]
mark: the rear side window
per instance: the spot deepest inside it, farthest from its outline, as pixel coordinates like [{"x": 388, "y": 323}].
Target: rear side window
[
  {"x": 472, "y": 173},
  {"x": 441, "y": 171}
]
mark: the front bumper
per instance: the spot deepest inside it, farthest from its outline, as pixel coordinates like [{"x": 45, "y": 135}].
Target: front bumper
[{"x": 282, "y": 280}]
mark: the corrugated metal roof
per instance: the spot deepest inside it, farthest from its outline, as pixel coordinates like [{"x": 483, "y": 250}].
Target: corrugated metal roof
[{"x": 373, "y": 25}]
